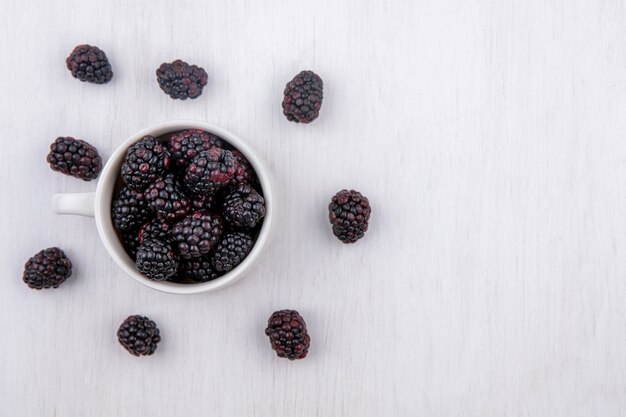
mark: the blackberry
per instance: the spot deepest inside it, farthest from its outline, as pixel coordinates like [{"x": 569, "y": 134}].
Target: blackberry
[
  {"x": 244, "y": 207},
  {"x": 129, "y": 210},
  {"x": 349, "y": 213},
  {"x": 139, "y": 335},
  {"x": 156, "y": 260},
  {"x": 288, "y": 334},
  {"x": 196, "y": 234},
  {"x": 166, "y": 198},
  {"x": 48, "y": 268},
  {"x": 244, "y": 173},
  {"x": 303, "y": 97},
  {"x": 75, "y": 157},
  {"x": 231, "y": 251},
  {"x": 181, "y": 80},
  {"x": 185, "y": 145},
  {"x": 155, "y": 229},
  {"x": 144, "y": 163},
  {"x": 89, "y": 63},
  {"x": 199, "y": 270},
  {"x": 210, "y": 171}
]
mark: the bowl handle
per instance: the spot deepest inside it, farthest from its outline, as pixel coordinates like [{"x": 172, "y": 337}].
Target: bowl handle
[{"x": 81, "y": 204}]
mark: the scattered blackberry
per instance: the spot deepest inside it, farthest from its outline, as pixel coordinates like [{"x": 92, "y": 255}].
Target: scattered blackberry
[
  {"x": 155, "y": 229},
  {"x": 75, "y": 157},
  {"x": 144, "y": 163},
  {"x": 349, "y": 213},
  {"x": 48, "y": 268},
  {"x": 166, "y": 198},
  {"x": 231, "y": 250},
  {"x": 303, "y": 97},
  {"x": 196, "y": 234},
  {"x": 130, "y": 241},
  {"x": 210, "y": 171},
  {"x": 288, "y": 334},
  {"x": 156, "y": 260},
  {"x": 199, "y": 270},
  {"x": 139, "y": 335},
  {"x": 185, "y": 145},
  {"x": 129, "y": 210},
  {"x": 89, "y": 63},
  {"x": 244, "y": 207},
  {"x": 204, "y": 202},
  {"x": 181, "y": 80},
  {"x": 244, "y": 173}
]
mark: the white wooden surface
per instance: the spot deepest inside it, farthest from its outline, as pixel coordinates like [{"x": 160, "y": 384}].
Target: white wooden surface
[{"x": 490, "y": 137}]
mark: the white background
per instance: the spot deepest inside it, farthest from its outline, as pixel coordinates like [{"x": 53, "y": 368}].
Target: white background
[{"x": 488, "y": 135}]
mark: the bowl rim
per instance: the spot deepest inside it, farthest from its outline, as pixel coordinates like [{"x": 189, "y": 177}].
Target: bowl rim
[{"x": 104, "y": 195}]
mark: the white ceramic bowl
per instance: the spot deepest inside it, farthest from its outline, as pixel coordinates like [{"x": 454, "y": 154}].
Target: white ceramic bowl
[{"x": 98, "y": 205}]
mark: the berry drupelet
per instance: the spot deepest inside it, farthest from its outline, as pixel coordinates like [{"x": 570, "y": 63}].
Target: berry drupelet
[
  {"x": 139, "y": 335},
  {"x": 187, "y": 144},
  {"x": 210, "y": 171},
  {"x": 231, "y": 251},
  {"x": 75, "y": 157},
  {"x": 196, "y": 234},
  {"x": 288, "y": 335},
  {"x": 156, "y": 260},
  {"x": 349, "y": 213},
  {"x": 144, "y": 163},
  {"x": 165, "y": 197},
  {"x": 198, "y": 269},
  {"x": 244, "y": 207},
  {"x": 179, "y": 80},
  {"x": 48, "y": 268},
  {"x": 129, "y": 210},
  {"x": 303, "y": 97},
  {"x": 89, "y": 63}
]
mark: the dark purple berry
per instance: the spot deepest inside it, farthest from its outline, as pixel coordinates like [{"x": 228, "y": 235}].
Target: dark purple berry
[
  {"x": 349, "y": 213},
  {"x": 156, "y": 260},
  {"x": 210, "y": 171},
  {"x": 180, "y": 80},
  {"x": 303, "y": 97},
  {"x": 75, "y": 157},
  {"x": 196, "y": 234},
  {"x": 139, "y": 335},
  {"x": 231, "y": 251},
  {"x": 288, "y": 335},
  {"x": 165, "y": 196},
  {"x": 48, "y": 268},
  {"x": 187, "y": 144},
  {"x": 89, "y": 63},
  {"x": 129, "y": 210},
  {"x": 244, "y": 207},
  {"x": 144, "y": 163}
]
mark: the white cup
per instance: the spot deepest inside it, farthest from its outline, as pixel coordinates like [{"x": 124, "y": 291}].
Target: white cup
[{"x": 98, "y": 205}]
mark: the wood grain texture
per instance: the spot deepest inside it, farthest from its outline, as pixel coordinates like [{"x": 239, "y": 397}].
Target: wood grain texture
[{"x": 488, "y": 135}]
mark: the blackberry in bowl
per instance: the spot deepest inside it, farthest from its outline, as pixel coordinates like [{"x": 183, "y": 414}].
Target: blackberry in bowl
[{"x": 164, "y": 227}]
